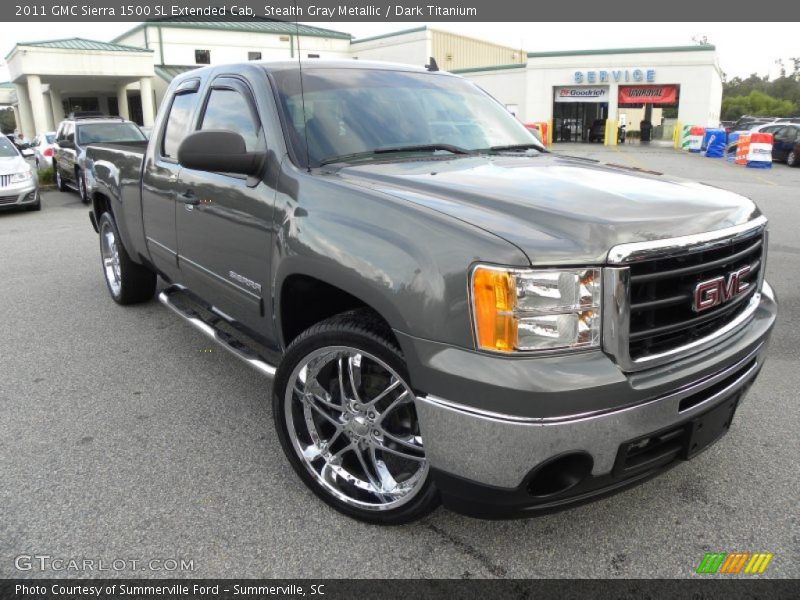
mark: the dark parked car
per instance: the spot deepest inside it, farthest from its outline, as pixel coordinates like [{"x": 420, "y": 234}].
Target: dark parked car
[
  {"x": 597, "y": 133},
  {"x": 784, "y": 145},
  {"x": 747, "y": 122},
  {"x": 73, "y": 136},
  {"x": 450, "y": 313}
]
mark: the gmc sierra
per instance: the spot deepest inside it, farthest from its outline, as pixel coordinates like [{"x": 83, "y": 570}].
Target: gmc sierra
[{"x": 449, "y": 312}]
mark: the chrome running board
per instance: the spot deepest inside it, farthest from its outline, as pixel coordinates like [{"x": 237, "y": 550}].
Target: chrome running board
[{"x": 209, "y": 327}]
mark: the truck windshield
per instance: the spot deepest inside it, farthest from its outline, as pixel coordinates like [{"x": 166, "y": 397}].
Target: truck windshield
[
  {"x": 357, "y": 114},
  {"x": 93, "y": 133}
]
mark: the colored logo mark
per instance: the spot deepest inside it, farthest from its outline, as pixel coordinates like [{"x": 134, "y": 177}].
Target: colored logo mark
[{"x": 734, "y": 563}]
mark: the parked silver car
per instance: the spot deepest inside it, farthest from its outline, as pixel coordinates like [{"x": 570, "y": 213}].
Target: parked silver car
[
  {"x": 19, "y": 184},
  {"x": 42, "y": 146}
]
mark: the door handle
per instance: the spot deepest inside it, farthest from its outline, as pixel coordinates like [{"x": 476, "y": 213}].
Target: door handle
[{"x": 189, "y": 197}]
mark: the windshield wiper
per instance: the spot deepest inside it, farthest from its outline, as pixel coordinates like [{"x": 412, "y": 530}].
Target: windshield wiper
[
  {"x": 396, "y": 150},
  {"x": 514, "y": 147},
  {"x": 424, "y": 148}
]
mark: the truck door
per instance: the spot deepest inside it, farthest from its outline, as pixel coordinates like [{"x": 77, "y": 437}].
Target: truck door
[
  {"x": 224, "y": 220},
  {"x": 160, "y": 178}
]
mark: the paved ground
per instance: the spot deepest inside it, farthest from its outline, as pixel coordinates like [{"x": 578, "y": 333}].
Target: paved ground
[{"x": 121, "y": 438}]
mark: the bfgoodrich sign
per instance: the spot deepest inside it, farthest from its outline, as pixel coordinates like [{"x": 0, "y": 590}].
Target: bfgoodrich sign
[{"x": 581, "y": 94}]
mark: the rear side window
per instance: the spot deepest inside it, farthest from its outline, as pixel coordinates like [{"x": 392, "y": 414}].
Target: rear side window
[
  {"x": 229, "y": 110},
  {"x": 178, "y": 121}
]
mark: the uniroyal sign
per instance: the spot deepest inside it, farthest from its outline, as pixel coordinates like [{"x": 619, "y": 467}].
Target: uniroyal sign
[
  {"x": 581, "y": 94},
  {"x": 648, "y": 94}
]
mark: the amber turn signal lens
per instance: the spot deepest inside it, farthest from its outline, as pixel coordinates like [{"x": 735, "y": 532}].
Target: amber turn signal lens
[{"x": 494, "y": 295}]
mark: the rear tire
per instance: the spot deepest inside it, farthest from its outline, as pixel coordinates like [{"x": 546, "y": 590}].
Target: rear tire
[
  {"x": 357, "y": 446},
  {"x": 127, "y": 281},
  {"x": 791, "y": 160}
]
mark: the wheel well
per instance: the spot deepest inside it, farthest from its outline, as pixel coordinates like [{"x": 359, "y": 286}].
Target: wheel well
[
  {"x": 306, "y": 300},
  {"x": 100, "y": 205}
]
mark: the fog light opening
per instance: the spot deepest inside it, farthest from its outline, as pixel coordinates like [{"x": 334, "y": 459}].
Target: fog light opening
[{"x": 560, "y": 473}]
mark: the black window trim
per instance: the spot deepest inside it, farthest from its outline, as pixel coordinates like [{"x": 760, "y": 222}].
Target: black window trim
[
  {"x": 229, "y": 81},
  {"x": 236, "y": 84},
  {"x": 190, "y": 86}
]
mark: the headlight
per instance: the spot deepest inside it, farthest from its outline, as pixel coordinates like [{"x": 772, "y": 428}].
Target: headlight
[
  {"x": 536, "y": 309},
  {"x": 22, "y": 176}
]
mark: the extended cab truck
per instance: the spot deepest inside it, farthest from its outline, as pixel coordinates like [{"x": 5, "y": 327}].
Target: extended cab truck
[{"x": 449, "y": 312}]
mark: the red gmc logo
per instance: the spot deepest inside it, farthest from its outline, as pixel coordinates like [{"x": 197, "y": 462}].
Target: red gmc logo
[{"x": 711, "y": 293}]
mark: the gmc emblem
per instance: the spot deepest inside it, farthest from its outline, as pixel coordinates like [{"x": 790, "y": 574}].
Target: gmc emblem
[{"x": 711, "y": 293}]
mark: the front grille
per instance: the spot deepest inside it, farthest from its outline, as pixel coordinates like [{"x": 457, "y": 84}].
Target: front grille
[
  {"x": 7, "y": 200},
  {"x": 662, "y": 289},
  {"x": 5, "y": 180}
]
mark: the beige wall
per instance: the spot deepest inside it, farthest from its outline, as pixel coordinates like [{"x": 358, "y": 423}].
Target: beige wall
[{"x": 454, "y": 51}]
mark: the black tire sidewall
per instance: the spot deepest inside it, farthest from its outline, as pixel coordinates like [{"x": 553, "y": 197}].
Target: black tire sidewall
[{"x": 339, "y": 333}]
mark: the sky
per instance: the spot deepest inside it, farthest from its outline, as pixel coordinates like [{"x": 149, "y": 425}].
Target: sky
[{"x": 743, "y": 48}]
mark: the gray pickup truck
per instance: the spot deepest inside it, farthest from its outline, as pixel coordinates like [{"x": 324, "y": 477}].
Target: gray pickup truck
[{"x": 449, "y": 313}]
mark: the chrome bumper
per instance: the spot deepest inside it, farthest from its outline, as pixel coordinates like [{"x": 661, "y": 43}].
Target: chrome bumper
[{"x": 500, "y": 450}]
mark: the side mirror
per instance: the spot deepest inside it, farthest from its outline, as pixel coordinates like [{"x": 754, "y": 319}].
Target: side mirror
[
  {"x": 27, "y": 152},
  {"x": 66, "y": 144},
  {"x": 219, "y": 151}
]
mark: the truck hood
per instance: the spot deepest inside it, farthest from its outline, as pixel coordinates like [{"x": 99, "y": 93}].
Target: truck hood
[{"x": 556, "y": 209}]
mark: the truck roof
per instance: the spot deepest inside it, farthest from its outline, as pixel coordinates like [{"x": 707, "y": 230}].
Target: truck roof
[{"x": 286, "y": 65}]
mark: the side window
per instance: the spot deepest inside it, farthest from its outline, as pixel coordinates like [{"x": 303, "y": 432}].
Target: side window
[
  {"x": 178, "y": 121},
  {"x": 61, "y": 132},
  {"x": 229, "y": 110},
  {"x": 69, "y": 132}
]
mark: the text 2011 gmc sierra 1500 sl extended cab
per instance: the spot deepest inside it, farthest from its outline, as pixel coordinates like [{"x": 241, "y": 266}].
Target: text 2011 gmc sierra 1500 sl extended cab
[{"x": 450, "y": 313}]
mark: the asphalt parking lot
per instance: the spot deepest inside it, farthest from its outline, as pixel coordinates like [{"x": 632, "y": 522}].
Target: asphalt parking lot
[{"x": 125, "y": 435}]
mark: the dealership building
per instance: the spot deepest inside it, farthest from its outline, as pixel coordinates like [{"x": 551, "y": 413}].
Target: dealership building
[
  {"x": 568, "y": 90},
  {"x": 571, "y": 89}
]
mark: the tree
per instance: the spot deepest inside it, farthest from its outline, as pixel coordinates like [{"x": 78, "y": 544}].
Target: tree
[
  {"x": 755, "y": 103},
  {"x": 738, "y": 98},
  {"x": 7, "y": 122}
]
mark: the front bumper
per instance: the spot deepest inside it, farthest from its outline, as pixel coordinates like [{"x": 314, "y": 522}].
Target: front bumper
[
  {"x": 484, "y": 461},
  {"x": 22, "y": 194}
]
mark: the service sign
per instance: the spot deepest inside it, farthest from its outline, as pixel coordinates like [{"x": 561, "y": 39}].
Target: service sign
[
  {"x": 582, "y": 94},
  {"x": 615, "y": 76}
]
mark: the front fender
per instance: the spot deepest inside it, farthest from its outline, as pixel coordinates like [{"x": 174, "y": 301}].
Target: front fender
[{"x": 408, "y": 263}]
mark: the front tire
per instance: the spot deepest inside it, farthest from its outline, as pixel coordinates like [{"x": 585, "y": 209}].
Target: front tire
[
  {"x": 345, "y": 417},
  {"x": 791, "y": 160},
  {"x": 59, "y": 180},
  {"x": 79, "y": 177},
  {"x": 127, "y": 281}
]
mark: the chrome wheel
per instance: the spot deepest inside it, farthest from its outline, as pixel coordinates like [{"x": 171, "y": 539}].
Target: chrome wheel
[
  {"x": 58, "y": 180},
  {"x": 109, "y": 252},
  {"x": 352, "y": 422},
  {"x": 791, "y": 160}
]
